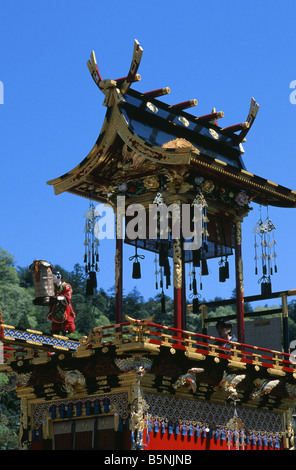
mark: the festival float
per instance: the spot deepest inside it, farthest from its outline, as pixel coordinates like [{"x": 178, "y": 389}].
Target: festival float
[{"x": 137, "y": 384}]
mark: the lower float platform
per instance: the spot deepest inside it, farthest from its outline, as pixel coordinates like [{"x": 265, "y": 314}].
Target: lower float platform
[{"x": 142, "y": 386}]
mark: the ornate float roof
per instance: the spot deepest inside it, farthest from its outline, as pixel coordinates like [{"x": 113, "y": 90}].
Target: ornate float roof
[{"x": 142, "y": 137}]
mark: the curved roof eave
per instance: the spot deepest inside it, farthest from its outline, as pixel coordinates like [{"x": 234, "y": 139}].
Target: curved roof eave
[
  {"x": 91, "y": 169},
  {"x": 116, "y": 125}
]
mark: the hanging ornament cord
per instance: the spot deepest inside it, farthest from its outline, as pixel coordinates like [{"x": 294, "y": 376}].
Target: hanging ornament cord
[
  {"x": 162, "y": 270},
  {"x": 198, "y": 255},
  {"x": 223, "y": 265},
  {"x": 156, "y": 272},
  {"x": 91, "y": 244},
  {"x": 200, "y": 221},
  {"x": 265, "y": 232},
  {"x": 163, "y": 245},
  {"x": 159, "y": 271},
  {"x": 194, "y": 295},
  {"x": 162, "y": 298}
]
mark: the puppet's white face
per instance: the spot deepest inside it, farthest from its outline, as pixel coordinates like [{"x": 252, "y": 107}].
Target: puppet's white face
[{"x": 57, "y": 280}]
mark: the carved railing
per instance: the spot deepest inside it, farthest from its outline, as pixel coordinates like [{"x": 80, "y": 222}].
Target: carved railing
[{"x": 139, "y": 334}]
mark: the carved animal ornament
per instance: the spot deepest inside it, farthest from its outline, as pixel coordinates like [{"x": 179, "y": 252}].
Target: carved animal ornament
[
  {"x": 188, "y": 379},
  {"x": 73, "y": 380},
  {"x": 229, "y": 383},
  {"x": 263, "y": 387}
]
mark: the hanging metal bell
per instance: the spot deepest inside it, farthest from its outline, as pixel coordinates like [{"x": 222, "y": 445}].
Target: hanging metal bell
[
  {"x": 89, "y": 288},
  {"x": 226, "y": 270},
  {"x": 222, "y": 277},
  {"x": 93, "y": 279},
  {"x": 204, "y": 267},
  {"x": 136, "y": 270},
  {"x": 195, "y": 305},
  {"x": 196, "y": 257},
  {"x": 266, "y": 289}
]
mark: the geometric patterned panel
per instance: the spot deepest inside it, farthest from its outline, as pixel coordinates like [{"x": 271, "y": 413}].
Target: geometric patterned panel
[
  {"x": 36, "y": 338},
  {"x": 211, "y": 414},
  {"x": 118, "y": 402}
]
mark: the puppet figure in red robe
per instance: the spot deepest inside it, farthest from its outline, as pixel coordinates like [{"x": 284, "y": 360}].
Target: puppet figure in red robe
[{"x": 62, "y": 314}]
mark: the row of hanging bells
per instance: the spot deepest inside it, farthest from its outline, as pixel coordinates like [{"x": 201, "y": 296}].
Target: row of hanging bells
[
  {"x": 91, "y": 253},
  {"x": 161, "y": 261},
  {"x": 264, "y": 245},
  {"x": 199, "y": 256},
  {"x": 162, "y": 271}
]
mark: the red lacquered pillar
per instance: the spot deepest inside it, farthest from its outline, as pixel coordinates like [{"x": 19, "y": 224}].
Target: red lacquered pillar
[
  {"x": 239, "y": 283},
  {"x": 184, "y": 319}
]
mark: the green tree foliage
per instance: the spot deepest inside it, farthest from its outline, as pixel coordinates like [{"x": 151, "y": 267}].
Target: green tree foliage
[
  {"x": 8, "y": 273},
  {"x": 9, "y": 417}
]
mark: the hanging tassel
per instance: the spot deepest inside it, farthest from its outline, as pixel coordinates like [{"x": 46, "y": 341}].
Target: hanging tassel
[
  {"x": 190, "y": 274},
  {"x": 196, "y": 257},
  {"x": 78, "y": 409},
  {"x": 256, "y": 256},
  {"x": 167, "y": 268},
  {"x": 204, "y": 267},
  {"x": 226, "y": 269},
  {"x": 156, "y": 426},
  {"x": 197, "y": 432},
  {"x": 195, "y": 301},
  {"x": 91, "y": 243},
  {"x": 200, "y": 280},
  {"x": 194, "y": 289},
  {"x": 163, "y": 254},
  {"x": 53, "y": 413},
  {"x": 190, "y": 431},
  {"x": 200, "y": 221},
  {"x": 183, "y": 430},
  {"x": 156, "y": 273},
  {"x": 168, "y": 282},
  {"x": 162, "y": 303},
  {"x": 161, "y": 279}
]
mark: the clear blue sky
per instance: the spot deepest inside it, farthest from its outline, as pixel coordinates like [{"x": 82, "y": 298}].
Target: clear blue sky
[{"x": 221, "y": 53}]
